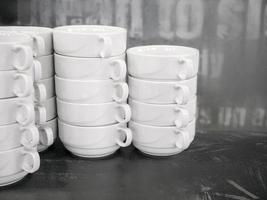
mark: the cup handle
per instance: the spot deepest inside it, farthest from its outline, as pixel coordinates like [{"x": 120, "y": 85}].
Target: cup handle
[
  {"x": 27, "y": 85},
  {"x": 122, "y": 69},
  {"x": 128, "y": 137},
  {"x": 39, "y": 92},
  {"x": 31, "y": 162},
  {"x": 30, "y": 137},
  {"x": 106, "y": 51},
  {"x": 126, "y": 110},
  {"x": 40, "y": 43},
  {"x": 184, "y": 117},
  {"x": 37, "y": 70},
  {"x": 46, "y": 136},
  {"x": 187, "y": 68},
  {"x": 123, "y": 89},
  {"x": 28, "y": 57},
  {"x": 184, "y": 97},
  {"x": 25, "y": 119},
  {"x": 185, "y": 140},
  {"x": 41, "y": 114}
]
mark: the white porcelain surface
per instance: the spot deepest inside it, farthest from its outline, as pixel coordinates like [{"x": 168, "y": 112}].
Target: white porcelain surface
[
  {"x": 162, "y": 62},
  {"x": 94, "y": 141},
  {"x": 90, "y": 40},
  {"x": 162, "y": 92},
  {"x": 16, "y": 163},
  {"x": 170, "y": 138},
  {"x": 41, "y": 37},
  {"x": 93, "y": 114},
  {"x": 44, "y": 129},
  {"x": 91, "y": 91},
  {"x": 14, "y": 135},
  {"x": 15, "y": 51},
  {"x": 19, "y": 110},
  {"x": 50, "y": 110},
  {"x": 47, "y": 66},
  {"x": 163, "y": 114},
  {"x": 15, "y": 84},
  {"x": 90, "y": 68}
]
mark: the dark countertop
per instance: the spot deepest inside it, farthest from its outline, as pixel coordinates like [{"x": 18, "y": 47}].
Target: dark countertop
[{"x": 217, "y": 166}]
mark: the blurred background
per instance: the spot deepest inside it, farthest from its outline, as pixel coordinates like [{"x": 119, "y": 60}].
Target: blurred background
[{"x": 230, "y": 34}]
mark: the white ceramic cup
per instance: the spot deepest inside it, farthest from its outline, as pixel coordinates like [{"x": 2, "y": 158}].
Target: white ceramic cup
[
  {"x": 41, "y": 37},
  {"x": 90, "y": 40},
  {"x": 48, "y": 107},
  {"x": 163, "y": 62},
  {"x": 163, "y": 114},
  {"x": 49, "y": 87},
  {"x": 46, "y": 64},
  {"x": 14, "y": 136},
  {"x": 162, "y": 92},
  {"x": 91, "y": 91},
  {"x": 91, "y": 68},
  {"x": 16, "y": 164},
  {"x": 162, "y": 141},
  {"x": 48, "y": 128},
  {"x": 94, "y": 141},
  {"x": 15, "y": 51},
  {"x": 19, "y": 110},
  {"x": 93, "y": 114}
]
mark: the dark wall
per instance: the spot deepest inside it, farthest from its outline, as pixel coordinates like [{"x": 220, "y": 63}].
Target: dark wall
[{"x": 231, "y": 36}]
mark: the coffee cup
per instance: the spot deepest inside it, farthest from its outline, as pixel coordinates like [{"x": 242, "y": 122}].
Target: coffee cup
[
  {"x": 163, "y": 62},
  {"x": 162, "y": 140},
  {"x": 91, "y": 91},
  {"x": 162, "y": 92},
  {"x": 90, "y": 40},
  {"x": 91, "y": 68},
  {"x": 41, "y": 37},
  {"x": 94, "y": 141},
  {"x": 163, "y": 114},
  {"x": 16, "y": 164},
  {"x": 99, "y": 114},
  {"x": 14, "y": 136},
  {"x": 15, "y": 51}
]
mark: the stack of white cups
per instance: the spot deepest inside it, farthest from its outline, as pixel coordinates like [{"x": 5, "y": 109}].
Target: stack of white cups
[
  {"x": 163, "y": 86},
  {"x": 91, "y": 89},
  {"x": 44, "y": 90},
  {"x": 18, "y": 133}
]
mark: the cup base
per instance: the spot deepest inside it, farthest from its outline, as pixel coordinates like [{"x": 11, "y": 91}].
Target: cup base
[
  {"x": 8, "y": 180},
  {"x": 92, "y": 153},
  {"x": 158, "y": 151}
]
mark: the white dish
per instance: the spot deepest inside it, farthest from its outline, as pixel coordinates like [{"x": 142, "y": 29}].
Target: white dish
[
  {"x": 162, "y": 92},
  {"x": 90, "y": 40},
  {"x": 51, "y": 128},
  {"x": 91, "y": 91},
  {"x": 163, "y": 62},
  {"x": 14, "y": 136},
  {"x": 91, "y": 68},
  {"x": 41, "y": 37},
  {"x": 15, "y": 51},
  {"x": 163, "y": 114},
  {"x": 93, "y": 114},
  {"x": 19, "y": 110},
  {"x": 169, "y": 139},
  {"x": 16, "y": 163},
  {"x": 94, "y": 141}
]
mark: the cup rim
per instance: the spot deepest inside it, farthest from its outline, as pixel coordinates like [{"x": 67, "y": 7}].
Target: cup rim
[
  {"x": 64, "y": 29},
  {"x": 88, "y": 104},
  {"x": 24, "y": 38},
  {"x": 27, "y": 29},
  {"x": 99, "y": 81},
  {"x": 89, "y": 58},
  {"x": 21, "y": 148},
  {"x": 138, "y": 51},
  {"x": 162, "y": 81}
]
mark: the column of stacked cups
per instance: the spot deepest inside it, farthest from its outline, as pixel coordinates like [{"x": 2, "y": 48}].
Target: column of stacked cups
[
  {"x": 43, "y": 76},
  {"x": 18, "y": 133},
  {"x": 163, "y": 83},
  {"x": 91, "y": 89}
]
